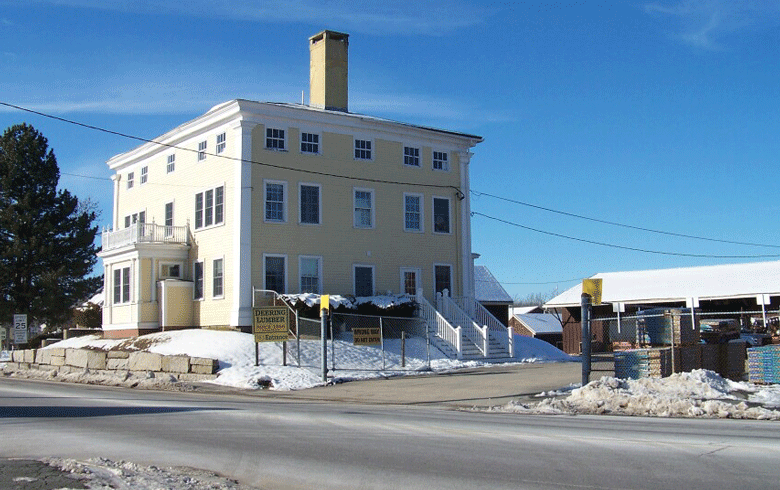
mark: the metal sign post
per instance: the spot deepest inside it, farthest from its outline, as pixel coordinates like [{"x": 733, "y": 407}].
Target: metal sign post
[
  {"x": 585, "y": 317},
  {"x": 324, "y": 309}
]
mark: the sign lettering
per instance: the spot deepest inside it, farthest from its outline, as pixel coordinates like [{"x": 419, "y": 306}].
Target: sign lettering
[{"x": 270, "y": 323}]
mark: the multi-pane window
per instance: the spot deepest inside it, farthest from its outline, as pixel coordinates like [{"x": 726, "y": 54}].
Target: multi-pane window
[
  {"x": 122, "y": 285},
  {"x": 171, "y": 166},
  {"x": 411, "y": 156},
  {"x": 364, "y": 208},
  {"x": 364, "y": 280},
  {"x": 220, "y": 143},
  {"x": 130, "y": 181},
  {"x": 274, "y": 202},
  {"x": 217, "y": 282},
  {"x": 168, "y": 217},
  {"x": 274, "y": 139},
  {"x": 310, "y": 274},
  {"x": 441, "y": 215},
  {"x": 362, "y": 149},
  {"x": 409, "y": 281},
  {"x": 274, "y": 273},
  {"x": 310, "y": 143},
  {"x": 440, "y": 161},
  {"x": 135, "y": 218},
  {"x": 144, "y": 175},
  {"x": 210, "y": 207},
  {"x": 412, "y": 212},
  {"x": 170, "y": 270},
  {"x": 442, "y": 278},
  {"x": 202, "y": 150},
  {"x": 197, "y": 279},
  {"x": 310, "y": 204}
]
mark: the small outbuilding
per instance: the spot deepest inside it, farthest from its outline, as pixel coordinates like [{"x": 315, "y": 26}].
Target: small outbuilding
[
  {"x": 542, "y": 326},
  {"x": 491, "y": 294}
]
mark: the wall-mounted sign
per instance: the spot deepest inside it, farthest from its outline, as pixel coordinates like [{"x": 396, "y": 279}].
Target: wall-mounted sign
[{"x": 367, "y": 336}]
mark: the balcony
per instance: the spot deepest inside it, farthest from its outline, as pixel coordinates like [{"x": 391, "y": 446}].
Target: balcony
[{"x": 145, "y": 233}]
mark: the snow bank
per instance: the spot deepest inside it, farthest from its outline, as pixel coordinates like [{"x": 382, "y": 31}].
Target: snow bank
[
  {"x": 699, "y": 393},
  {"x": 236, "y": 354}
]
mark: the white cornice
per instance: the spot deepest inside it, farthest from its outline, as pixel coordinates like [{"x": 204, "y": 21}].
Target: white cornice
[{"x": 241, "y": 111}]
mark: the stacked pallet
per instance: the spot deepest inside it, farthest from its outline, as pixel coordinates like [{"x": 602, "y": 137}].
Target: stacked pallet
[
  {"x": 764, "y": 364},
  {"x": 643, "y": 363},
  {"x": 728, "y": 359},
  {"x": 667, "y": 326},
  {"x": 687, "y": 358}
]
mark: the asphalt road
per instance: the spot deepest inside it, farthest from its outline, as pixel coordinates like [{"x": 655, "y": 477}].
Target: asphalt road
[{"x": 280, "y": 442}]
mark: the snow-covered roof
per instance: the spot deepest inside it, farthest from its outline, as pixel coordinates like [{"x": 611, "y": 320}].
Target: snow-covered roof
[
  {"x": 671, "y": 285},
  {"x": 487, "y": 289},
  {"x": 522, "y": 310},
  {"x": 540, "y": 322}
]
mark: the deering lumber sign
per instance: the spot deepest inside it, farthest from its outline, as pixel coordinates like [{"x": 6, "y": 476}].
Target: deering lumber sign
[{"x": 270, "y": 323}]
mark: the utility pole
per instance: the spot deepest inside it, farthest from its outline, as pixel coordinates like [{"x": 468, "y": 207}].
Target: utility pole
[{"x": 585, "y": 305}]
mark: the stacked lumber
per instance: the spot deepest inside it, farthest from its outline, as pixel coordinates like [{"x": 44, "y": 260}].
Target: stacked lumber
[
  {"x": 667, "y": 326},
  {"x": 764, "y": 364},
  {"x": 643, "y": 363}
]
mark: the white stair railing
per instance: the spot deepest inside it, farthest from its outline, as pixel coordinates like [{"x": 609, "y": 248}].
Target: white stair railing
[
  {"x": 455, "y": 315},
  {"x": 482, "y": 316},
  {"x": 444, "y": 330}
]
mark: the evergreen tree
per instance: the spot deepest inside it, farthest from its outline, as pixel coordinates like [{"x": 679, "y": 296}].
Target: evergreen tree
[{"x": 47, "y": 237}]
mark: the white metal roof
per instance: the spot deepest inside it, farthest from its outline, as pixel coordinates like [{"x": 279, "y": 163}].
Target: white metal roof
[
  {"x": 668, "y": 285},
  {"x": 540, "y": 322}
]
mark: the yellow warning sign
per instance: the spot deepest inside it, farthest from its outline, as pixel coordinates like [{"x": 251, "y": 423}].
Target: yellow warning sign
[
  {"x": 270, "y": 323},
  {"x": 593, "y": 288},
  {"x": 366, "y": 336}
]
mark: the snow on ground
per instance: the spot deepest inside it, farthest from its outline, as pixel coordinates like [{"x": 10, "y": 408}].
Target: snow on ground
[
  {"x": 236, "y": 354},
  {"x": 105, "y": 474},
  {"x": 699, "y": 393}
]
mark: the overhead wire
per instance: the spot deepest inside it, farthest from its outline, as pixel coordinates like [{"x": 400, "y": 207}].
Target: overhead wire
[{"x": 613, "y": 223}]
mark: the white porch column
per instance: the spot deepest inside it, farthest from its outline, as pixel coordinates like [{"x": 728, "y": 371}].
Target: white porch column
[
  {"x": 241, "y": 314},
  {"x": 115, "y": 218},
  {"x": 466, "y": 262}
]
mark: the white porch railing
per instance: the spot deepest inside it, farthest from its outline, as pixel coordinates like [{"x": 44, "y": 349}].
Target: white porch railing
[
  {"x": 455, "y": 314},
  {"x": 145, "y": 233},
  {"x": 444, "y": 330},
  {"x": 482, "y": 316}
]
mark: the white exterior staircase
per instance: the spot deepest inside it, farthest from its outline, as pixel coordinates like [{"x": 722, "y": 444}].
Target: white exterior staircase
[{"x": 463, "y": 329}]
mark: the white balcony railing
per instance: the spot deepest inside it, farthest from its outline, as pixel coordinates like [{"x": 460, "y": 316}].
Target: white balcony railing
[{"x": 145, "y": 233}]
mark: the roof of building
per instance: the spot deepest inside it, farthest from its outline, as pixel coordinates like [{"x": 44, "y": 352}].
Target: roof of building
[
  {"x": 729, "y": 281},
  {"x": 522, "y": 310},
  {"x": 540, "y": 322},
  {"x": 487, "y": 289}
]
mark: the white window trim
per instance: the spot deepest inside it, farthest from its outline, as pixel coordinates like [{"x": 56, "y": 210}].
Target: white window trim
[
  {"x": 285, "y": 139},
  {"x": 203, "y": 149},
  {"x": 202, "y": 263},
  {"x": 442, "y": 264},
  {"x": 217, "y": 143},
  {"x": 447, "y": 162},
  {"x": 144, "y": 175},
  {"x": 220, "y": 296},
  {"x": 168, "y": 264},
  {"x": 284, "y": 201},
  {"x": 419, "y": 157},
  {"x": 373, "y": 277},
  {"x": 170, "y": 163},
  {"x": 286, "y": 268},
  {"x": 130, "y": 180},
  {"x": 319, "y": 203},
  {"x": 422, "y": 212},
  {"x": 433, "y": 215},
  {"x": 301, "y": 258},
  {"x": 418, "y": 276},
  {"x": 373, "y": 149},
  {"x": 224, "y": 208},
  {"x": 373, "y": 208},
  {"x": 300, "y": 142},
  {"x": 130, "y": 278}
]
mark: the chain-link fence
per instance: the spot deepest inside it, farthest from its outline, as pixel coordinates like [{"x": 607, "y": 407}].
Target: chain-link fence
[{"x": 362, "y": 343}]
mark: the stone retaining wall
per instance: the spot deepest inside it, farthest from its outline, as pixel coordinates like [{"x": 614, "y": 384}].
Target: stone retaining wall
[{"x": 183, "y": 367}]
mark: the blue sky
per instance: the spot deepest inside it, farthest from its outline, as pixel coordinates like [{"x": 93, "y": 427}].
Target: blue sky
[{"x": 656, "y": 114}]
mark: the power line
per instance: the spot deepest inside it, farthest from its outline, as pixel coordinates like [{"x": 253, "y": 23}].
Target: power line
[
  {"x": 613, "y": 223},
  {"x": 612, "y": 245},
  {"x": 218, "y": 155}
]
